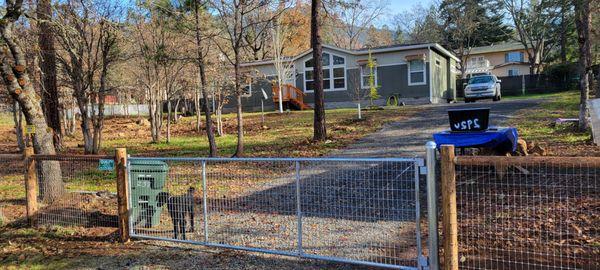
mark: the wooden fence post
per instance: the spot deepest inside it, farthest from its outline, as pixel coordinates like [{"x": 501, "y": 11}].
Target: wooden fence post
[
  {"x": 122, "y": 193},
  {"x": 31, "y": 185},
  {"x": 449, "y": 210}
]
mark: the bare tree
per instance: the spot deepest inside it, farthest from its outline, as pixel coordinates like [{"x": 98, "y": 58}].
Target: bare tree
[
  {"x": 419, "y": 24},
  {"x": 460, "y": 25},
  {"x": 234, "y": 19},
  {"x": 156, "y": 48},
  {"x": 283, "y": 65},
  {"x": 583, "y": 21},
  {"x": 13, "y": 69},
  {"x": 88, "y": 38},
  {"x": 531, "y": 21},
  {"x": 201, "y": 35},
  {"x": 355, "y": 16},
  {"x": 319, "y": 126}
]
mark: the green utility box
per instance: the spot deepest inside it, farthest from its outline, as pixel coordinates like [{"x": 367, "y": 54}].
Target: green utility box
[{"x": 147, "y": 181}]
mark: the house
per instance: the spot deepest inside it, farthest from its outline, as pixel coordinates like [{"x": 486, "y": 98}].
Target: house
[
  {"x": 504, "y": 59},
  {"x": 416, "y": 73}
]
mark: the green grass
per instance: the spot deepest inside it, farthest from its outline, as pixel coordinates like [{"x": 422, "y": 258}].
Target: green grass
[
  {"x": 93, "y": 180},
  {"x": 538, "y": 124},
  {"x": 535, "y": 96},
  {"x": 287, "y": 134}
]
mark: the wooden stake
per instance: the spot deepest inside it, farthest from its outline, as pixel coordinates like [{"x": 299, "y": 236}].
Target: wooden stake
[
  {"x": 449, "y": 211},
  {"x": 122, "y": 193},
  {"x": 31, "y": 185}
]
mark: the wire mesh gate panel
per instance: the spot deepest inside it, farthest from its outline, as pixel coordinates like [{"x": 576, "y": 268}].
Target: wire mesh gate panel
[
  {"x": 347, "y": 210},
  {"x": 528, "y": 215},
  {"x": 76, "y": 191}
]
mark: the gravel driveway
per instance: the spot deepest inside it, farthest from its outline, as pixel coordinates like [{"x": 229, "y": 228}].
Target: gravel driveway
[
  {"x": 407, "y": 138},
  {"x": 350, "y": 211}
]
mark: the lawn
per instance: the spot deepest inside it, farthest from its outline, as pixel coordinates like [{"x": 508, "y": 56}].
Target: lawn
[
  {"x": 538, "y": 125},
  {"x": 287, "y": 134}
]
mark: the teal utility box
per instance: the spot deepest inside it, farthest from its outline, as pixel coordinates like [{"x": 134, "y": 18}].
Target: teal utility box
[{"x": 148, "y": 178}]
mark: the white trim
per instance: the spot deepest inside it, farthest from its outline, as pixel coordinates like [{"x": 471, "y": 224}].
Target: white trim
[
  {"x": 331, "y": 78},
  {"x": 360, "y": 68},
  {"x": 336, "y": 90},
  {"x": 430, "y": 75},
  {"x": 362, "y": 52},
  {"x": 393, "y": 64},
  {"x": 410, "y": 83}
]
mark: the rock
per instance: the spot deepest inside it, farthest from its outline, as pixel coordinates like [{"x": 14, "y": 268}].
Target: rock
[{"x": 522, "y": 147}]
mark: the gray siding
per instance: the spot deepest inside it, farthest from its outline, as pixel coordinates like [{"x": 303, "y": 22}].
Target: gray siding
[{"x": 394, "y": 80}]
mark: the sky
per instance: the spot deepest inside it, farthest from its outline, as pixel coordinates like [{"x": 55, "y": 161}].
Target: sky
[{"x": 399, "y": 6}]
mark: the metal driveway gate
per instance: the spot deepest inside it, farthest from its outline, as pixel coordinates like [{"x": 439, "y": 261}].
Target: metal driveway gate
[{"x": 363, "y": 211}]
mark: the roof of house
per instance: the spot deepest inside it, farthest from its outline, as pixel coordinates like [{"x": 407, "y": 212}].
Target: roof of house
[
  {"x": 364, "y": 51},
  {"x": 500, "y": 47}
]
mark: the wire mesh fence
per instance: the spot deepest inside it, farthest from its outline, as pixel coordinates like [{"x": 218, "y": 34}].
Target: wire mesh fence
[
  {"x": 76, "y": 191},
  {"x": 528, "y": 213},
  {"x": 359, "y": 210},
  {"x": 12, "y": 193}
]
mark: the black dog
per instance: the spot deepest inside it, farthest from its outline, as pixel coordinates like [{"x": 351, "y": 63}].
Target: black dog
[{"x": 179, "y": 208}]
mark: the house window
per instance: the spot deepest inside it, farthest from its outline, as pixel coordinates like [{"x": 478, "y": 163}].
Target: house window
[
  {"x": 513, "y": 72},
  {"x": 334, "y": 73},
  {"x": 514, "y": 57},
  {"x": 365, "y": 73},
  {"x": 416, "y": 72},
  {"x": 477, "y": 61}
]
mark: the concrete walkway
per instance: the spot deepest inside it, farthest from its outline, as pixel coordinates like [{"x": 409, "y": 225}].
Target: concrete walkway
[{"x": 407, "y": 138}]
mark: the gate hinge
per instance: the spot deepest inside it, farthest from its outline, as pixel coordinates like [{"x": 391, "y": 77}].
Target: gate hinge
[{"x": 423, "y": 170}]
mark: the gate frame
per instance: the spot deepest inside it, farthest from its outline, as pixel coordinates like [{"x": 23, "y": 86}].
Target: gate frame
[{"x": 420, "y": 168}]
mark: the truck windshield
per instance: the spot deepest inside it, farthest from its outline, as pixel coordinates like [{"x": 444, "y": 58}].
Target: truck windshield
[{"x": 481, "y": 79}]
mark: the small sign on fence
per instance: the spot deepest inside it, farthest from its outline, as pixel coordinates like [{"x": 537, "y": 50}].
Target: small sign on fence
[
  {"x": 106, "y": 165},
  {"x": 29, "y": 129}
]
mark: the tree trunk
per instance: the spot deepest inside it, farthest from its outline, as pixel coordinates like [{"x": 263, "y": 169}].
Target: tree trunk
[
  {"x": 320, "y": 130},
  {"x": 168, "y": 120},
  {"x": 176, "y": 115},
  {"x": 584, "y": 25},
  {"x": 239, "y": 152},
  {"x": 50, "y": 99},
  {"x": 563, "y": 32},
  {"x": 210, "y": 134},
  {"x": 15, "y": 76}
]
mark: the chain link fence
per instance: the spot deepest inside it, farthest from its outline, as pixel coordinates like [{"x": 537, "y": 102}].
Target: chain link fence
[
  {"x": 76, "y": 191},
  {"x": 528, "y": 213},
  {"x": 346, "y": 210}
]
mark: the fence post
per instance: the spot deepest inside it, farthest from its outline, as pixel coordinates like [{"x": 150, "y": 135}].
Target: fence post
[
  {"x": 31, "y": 185},
  {"x": 122, "y": 193},
  {"x": 449, "y": 210},
  {"x": 432, "y": 206}
]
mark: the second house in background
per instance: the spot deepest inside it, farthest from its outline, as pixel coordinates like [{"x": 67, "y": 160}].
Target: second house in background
[
  {"x": 416, "y": 73},
  {"x": 503, "y": 59}
]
